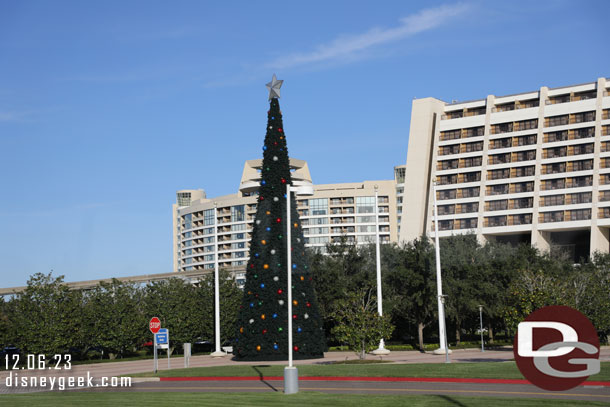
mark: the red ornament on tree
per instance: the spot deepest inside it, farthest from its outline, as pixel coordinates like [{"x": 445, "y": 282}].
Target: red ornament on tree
[{"x": 280, "y": 291}]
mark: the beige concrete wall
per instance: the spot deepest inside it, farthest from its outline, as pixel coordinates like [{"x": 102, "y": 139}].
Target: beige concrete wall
[{"x": 425, "y": 116}]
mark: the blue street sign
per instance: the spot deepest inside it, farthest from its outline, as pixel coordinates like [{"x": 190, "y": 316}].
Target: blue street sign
[{"x": 162, "y": 336}]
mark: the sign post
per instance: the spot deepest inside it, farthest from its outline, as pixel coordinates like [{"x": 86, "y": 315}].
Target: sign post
[
  {"x": 154, "y": 325},
  {"x": 162, "y": 341}
]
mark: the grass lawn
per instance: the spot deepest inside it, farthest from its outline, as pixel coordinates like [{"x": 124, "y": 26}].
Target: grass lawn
[
  {"x": 266, "y": 399},
  {"x": 494, "y": 370}
]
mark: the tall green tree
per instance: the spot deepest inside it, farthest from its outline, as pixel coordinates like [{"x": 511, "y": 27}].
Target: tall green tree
[
  {"x": 46, "y": 317},
  {"x": 174, "y": 302},
  {"x": 411, "y": 284},
  {"x": 262, "y": 323},
  {"x": 230, "y": 297},
  {"x": 115, "y": 312}
]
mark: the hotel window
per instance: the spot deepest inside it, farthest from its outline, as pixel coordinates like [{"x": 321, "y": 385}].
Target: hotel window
[
  {"x": 208, "y": 239},
  {"x": 447, "y": 179},
  {"x": 580, "y": 214},
  {"x": 555, "y": 168},
  {"x": 237, "y": 213},
  {"x": 446, "y": 210},
  {"x": 471, "y": 176},
  {"x": 523, "y": 187},
  {"x": 466, "y": 223},
  {"x": 559, "y": 99},
  {"x": 522, "y": 219},
  {"x": 469, "y": 207},
  {"x": 526, "y": 140},
  {"x": 555, "y": 152},
  {"x": 365, "y": 219},
  {"x": 604, "y": 196},
  {"x": 584, "y": 117},
  {"x": 525, "y": 104},
  {"x": 557, "y": 136},
  {"x": 527, "y": 124},
  {"x": 449, "y": 164},
  {"x": 456, "y": 114},
  {"x": 188, "y": 252},
  {"x": 470, "y": 192},
  {"x": 447, "y": 150},
  {"x": 318, "y": 221},
  {"x": 445, "y": 224},
  {"x": 208, "y": 217},
  {"x": 505, "y": 107},
  {"x": 583, "y": 165},
  {"x": 583, "y": 149},
  {"x": 523, "y": 203},
  {"x": 208, "y": 249},
  {"x": 583, "y": 197},
  {"x": 587, "y": 132},
  {"x": 447, "y": 194},
  {"x": 240, "y": 245},
  {"x": 451, "y": 135},
  {"x": 498, "y": 189},
  {"x": 208, "y": 257},
  {"x": 470, "y": 147},
  {"x": 187, "y": 221},
  {"x": 237, "y": 227},
  {"x": 500, "y": 158},
  {"x": 502, "y": 143},
  {"x": 558, "y": 120},
  {"x": 366, "y": 204},
  {"x": 552, "y": 217},
  {"x": 554, "y": 184},
  {"x": 472, "y": 162},
  {"x": 318, "y": 206},
  {"x": 499, "y": 174},
  {"x": 495, "y": 221},
  {"x": 501, "y": 128},
  {"x": 188, "y": 234},
  {"x": 526, "y": 155},
  {"x": 238, "y": 236},
  {"x": 576, "y": 182},
  {"x": 318, "y": 231},
  {"x": 366, "y": 229},
  {"x": 475, "y": 131},
  {"x": 501, "y": 205}
]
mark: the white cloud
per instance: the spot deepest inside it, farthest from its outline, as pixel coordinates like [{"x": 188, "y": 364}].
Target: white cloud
[{"x": 349, "y": 46}]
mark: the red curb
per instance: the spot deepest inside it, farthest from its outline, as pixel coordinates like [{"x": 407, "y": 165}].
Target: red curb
[{"x": 367, "y": 379}]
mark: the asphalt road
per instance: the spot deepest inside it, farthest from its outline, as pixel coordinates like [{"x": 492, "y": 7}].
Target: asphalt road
[{"x": 586, "y": 393}]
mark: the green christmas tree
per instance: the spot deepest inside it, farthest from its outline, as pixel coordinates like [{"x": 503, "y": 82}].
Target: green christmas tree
[{"x": 263, "y": 319}]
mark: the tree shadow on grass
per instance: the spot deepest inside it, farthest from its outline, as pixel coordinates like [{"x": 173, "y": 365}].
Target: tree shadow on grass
[{"x": 262, "y": 378}]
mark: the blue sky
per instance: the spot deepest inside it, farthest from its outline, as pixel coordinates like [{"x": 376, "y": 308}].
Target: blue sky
[{"x": 107, "y": 108}]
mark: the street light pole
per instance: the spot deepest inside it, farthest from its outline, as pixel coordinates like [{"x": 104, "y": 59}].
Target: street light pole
[
  {"x": 481, "y": 329},
  {"x": 442, "y": 334},
  {"x": 217, "y": 353},
  {"x": 381, "y": 350},
  {"x": 291, "y": 374}
]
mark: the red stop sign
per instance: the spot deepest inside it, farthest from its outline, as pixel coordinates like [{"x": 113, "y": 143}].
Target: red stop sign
[{"x": 154, "y": 325}]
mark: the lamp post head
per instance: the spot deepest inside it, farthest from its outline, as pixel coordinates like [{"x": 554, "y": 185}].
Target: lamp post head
[{"x": 480, "y": 307}]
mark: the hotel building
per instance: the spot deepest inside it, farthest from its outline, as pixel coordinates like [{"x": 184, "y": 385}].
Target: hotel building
[
  {"x": 532, "y": 167},
  {"x": 334, "y": 212}
]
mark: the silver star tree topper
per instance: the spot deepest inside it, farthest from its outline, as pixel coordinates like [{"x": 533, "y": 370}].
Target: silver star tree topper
[{"x": 274, "y": 88}]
